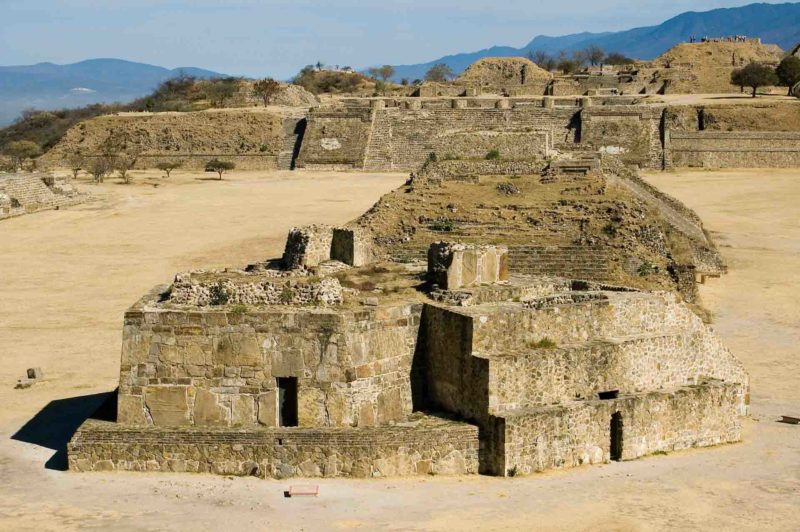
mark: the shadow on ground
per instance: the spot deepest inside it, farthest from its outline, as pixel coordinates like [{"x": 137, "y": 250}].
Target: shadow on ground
[{"x": 55, "y": 424}]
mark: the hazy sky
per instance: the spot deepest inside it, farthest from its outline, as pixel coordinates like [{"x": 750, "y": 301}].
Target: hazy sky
[{"x": 278, "y": 37}]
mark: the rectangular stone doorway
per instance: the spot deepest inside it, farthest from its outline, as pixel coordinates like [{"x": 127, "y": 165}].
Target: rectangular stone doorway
[
  {"x": 616, "y": 436},
  {"x": 287, "y": 401}
]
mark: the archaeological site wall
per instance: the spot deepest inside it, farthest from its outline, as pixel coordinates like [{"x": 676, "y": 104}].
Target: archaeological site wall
[
  {"x": 431, "y": 446},
  {"x": 27, "y": 193},
  {"x": 401, "y": 138},
  {"x": 734, "y": 149},
  {"x": 694, "y": 416},
  {"x": 253, "y": 139},
  {"x": 209, "y": 367}
]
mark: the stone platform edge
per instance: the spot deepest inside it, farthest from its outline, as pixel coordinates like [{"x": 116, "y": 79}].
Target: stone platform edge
[{"x": 432, "y": 446}]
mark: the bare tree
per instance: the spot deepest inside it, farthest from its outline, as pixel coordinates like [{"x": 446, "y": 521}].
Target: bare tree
[
  {"x": 76, "y": 162},
  {"x": 594, "y": 54},
  {"x": 99, "y": 167},
  {"x": 123, "y": 163}
]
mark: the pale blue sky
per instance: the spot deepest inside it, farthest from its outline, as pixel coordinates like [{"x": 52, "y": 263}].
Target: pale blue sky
[{"x": 277, "y": 37}]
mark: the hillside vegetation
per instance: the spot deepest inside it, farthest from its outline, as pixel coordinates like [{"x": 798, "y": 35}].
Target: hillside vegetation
[{"x": 181, "y": 94}]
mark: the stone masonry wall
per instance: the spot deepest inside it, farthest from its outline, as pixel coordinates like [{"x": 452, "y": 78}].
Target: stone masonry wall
[
  {"x": 429, "y": 446},
  {"x": 219, "y": 367},
  {"x": 632, "y": 132},
  {"x": 734, "y": 149},
  {"x": 335, "y": 139},
  {"x": 695, "y": 416},
  {"x": 402, "y": 139},
  {"x": 27, "y": 193}
]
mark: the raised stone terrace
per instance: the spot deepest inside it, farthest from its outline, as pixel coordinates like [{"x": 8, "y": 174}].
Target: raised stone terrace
[
  {"x": 27, "y": 193},
  {"x": 459, "y": 369}
]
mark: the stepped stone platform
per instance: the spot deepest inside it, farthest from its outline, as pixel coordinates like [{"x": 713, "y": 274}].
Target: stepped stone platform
[
  {"x": 27, "y": 193},
  {"x": 461, "y": 369}
]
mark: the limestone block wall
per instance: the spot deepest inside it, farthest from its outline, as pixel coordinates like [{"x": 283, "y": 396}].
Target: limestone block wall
[
  {"x": 402, "y": 139},
  {"x": 695, "y": 416},
  {"x": 632, "y": 132},
  {"x": 335, "y": 138},
  {"x": 430, "y": 446},
  {"x": 630, "y": 342},
  {"x": 453, "y": 266},
  {"x": 28, "y": 193},
  {"x": 455, "y": 381},
  {"x": 218, "y": 367},
  {"x": 309, "y": 246},
  {"x": 734, "y": 149}
]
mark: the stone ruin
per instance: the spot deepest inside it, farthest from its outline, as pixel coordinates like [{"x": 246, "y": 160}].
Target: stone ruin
[
  {"x": 27, "y": 193},
  {"x": 333, "y": 362}
]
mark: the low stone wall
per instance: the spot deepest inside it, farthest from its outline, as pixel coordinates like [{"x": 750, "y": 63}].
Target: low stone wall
[
  {"x": 461, "y": 169},
  {"x": 577, "y": 262},
  {"x": 429, "y": 446},
  {"x": 253, "y": 289},
  {"x": 695, "y": 416},
  {"x": 734, "y": 149}
]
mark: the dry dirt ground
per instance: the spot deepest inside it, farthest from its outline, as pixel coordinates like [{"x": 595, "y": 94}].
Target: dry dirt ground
[{"x": 67, "y": 277}]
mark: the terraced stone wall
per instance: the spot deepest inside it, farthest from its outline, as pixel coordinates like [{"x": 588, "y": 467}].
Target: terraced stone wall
[
  {"x": 661, "y": 421},
  {"x": 430, "y": 446},
  {"x": 27, "y": 193},
  {"x": 734, "y": 149}
]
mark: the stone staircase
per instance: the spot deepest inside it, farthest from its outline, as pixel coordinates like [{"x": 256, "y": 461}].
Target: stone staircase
[{"x": 293, "y": 130}]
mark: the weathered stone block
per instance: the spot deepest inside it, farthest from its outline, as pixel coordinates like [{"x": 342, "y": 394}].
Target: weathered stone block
[
  {"x": 244, "y": 410},
  {"x": 168, "y": 405},
  {"x": 268, "y": 408},
  {"x": 207, "y": 409},
  {"x": 130, "y": 410},
  {"x": 454, "y": 265},
  {"x": 351, "y": 246},
  {"x": 307, "y": 246}
]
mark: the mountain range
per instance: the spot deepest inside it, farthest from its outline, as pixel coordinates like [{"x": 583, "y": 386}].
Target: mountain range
[
  {"x": 50, "y": 86},
  {"x": 773, "y": 23}
]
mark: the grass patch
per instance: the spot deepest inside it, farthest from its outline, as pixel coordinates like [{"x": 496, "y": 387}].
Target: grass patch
[{"x": 544, "y": 343}]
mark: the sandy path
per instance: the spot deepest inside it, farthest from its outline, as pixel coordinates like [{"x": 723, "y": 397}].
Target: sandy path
[{"x": 67, "y": 276}]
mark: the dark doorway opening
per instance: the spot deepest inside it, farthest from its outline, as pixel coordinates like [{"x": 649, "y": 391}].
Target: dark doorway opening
[
  {"x": 605, "y": 396},
  {"x": 287, "y": 401},
  {"x": 616, "y": 436}
]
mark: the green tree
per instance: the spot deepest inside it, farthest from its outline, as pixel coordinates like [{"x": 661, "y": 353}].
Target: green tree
[
  {"x": 440, "y": 73},
  {"x": 20, "y": 151},
  {"x": 266, "y": 89},
  {"x": 220, "y": 90},
  {"x": 169, "y": 166},
  {"x": 754, "y": 75},
  {"x": 616, "y": 58},
  {"x": 220, "y": 167},
  {"x": 788, "y": 72}
]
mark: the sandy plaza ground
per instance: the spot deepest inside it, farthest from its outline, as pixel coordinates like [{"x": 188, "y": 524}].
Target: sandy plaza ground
[{"x": 67, "y": 276}]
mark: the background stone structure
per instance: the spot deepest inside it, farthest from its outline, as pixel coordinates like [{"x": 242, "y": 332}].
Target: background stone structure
[{"x": 27, "y": 193}]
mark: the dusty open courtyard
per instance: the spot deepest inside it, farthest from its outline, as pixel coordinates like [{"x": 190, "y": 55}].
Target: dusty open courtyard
[{"x": 67, "y": 277}]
